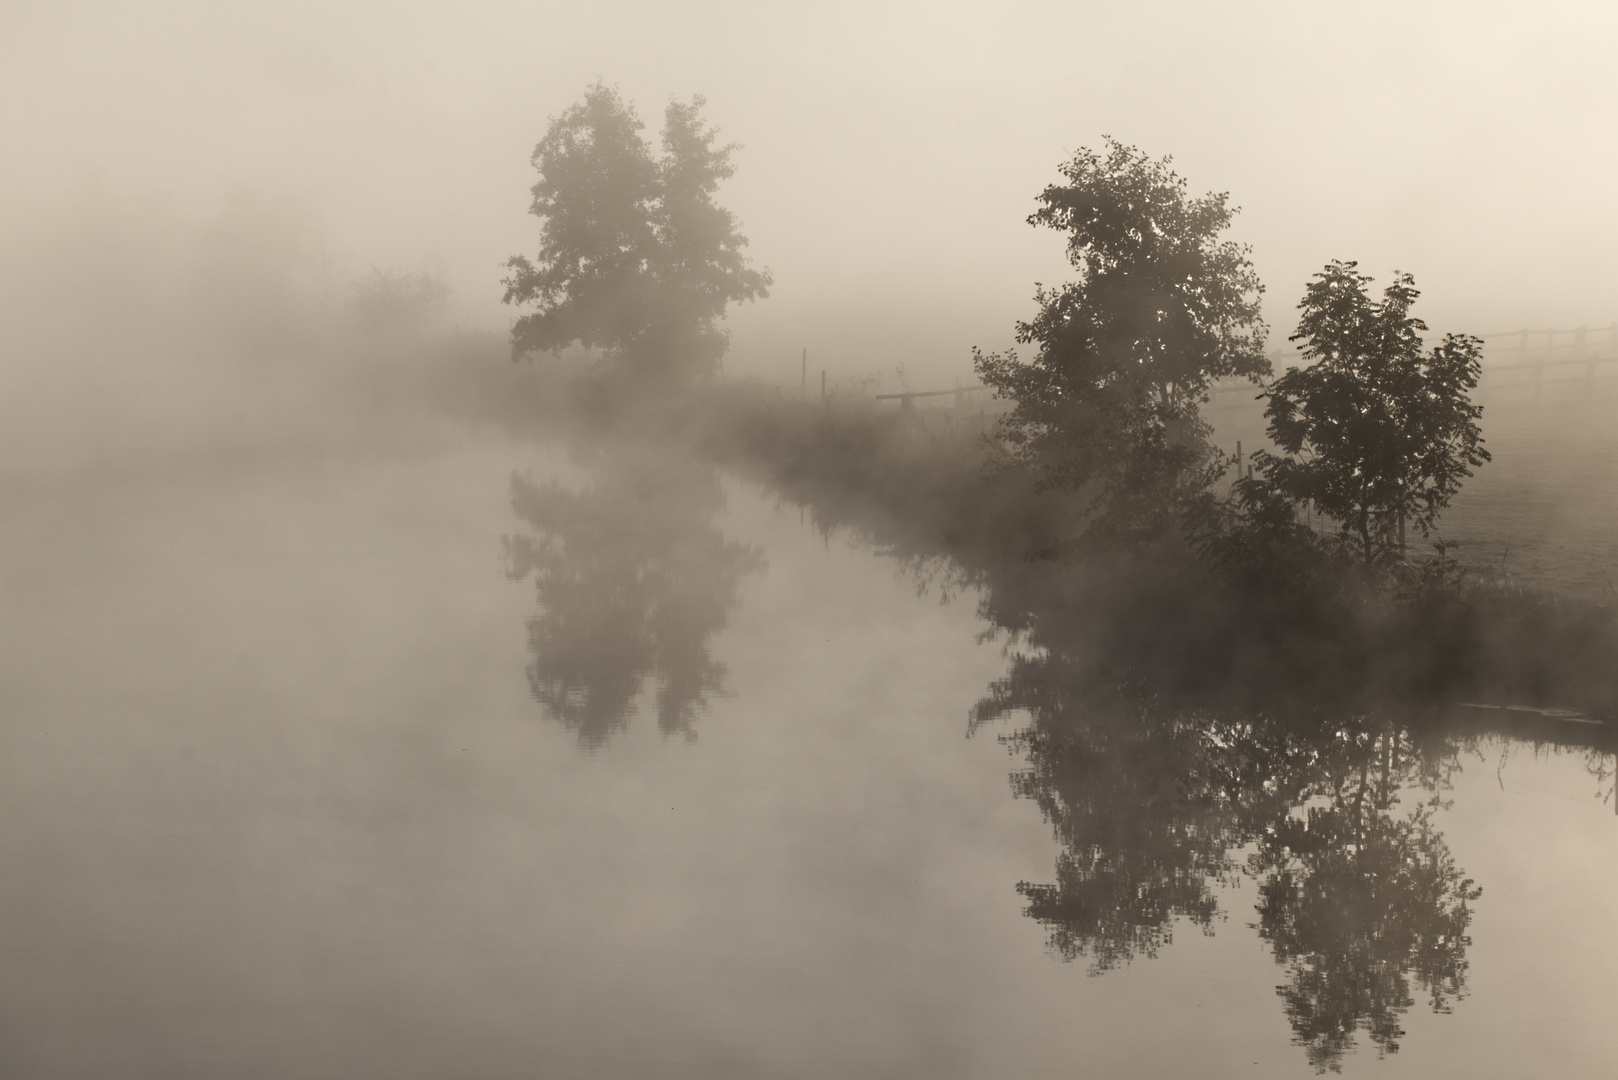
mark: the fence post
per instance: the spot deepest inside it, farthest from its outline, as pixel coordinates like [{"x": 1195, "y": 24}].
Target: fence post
[{"x": 1539, "y": 365}]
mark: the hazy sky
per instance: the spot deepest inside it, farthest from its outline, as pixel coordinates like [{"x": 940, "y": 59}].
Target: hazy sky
[{"x": 891, "y": 151}]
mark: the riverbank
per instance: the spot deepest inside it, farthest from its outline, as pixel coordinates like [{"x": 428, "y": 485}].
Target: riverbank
[{"x": 924, "y": 486}]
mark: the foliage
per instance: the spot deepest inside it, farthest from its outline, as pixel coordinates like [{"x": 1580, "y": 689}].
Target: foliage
[
  {"x": 1255, "y": 539},
  {"x": 1375, "y": 432},
  {"x": 636, "y": 258},
  {"x": 1125, "y": 353},
  {"x": 396, "y": 299}
]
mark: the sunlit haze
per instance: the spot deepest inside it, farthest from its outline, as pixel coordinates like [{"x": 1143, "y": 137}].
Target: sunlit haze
[{"x": 891, "y": 154}]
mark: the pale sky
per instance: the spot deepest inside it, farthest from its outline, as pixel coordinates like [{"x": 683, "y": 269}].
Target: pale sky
[{"x": 891, "y": 153}]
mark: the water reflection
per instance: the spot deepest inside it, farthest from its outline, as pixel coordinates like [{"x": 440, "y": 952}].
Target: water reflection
[
  {"x": 633, "y": 578},
  {"x": 1181, "y": 734},
  {"x": 1359, "y": 901},
  {"x": 1158, "y": 800},
  {"x": 1174, "y": 750}
]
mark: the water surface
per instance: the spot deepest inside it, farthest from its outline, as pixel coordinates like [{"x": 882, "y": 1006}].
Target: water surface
[{"x": 459, "y": 755}]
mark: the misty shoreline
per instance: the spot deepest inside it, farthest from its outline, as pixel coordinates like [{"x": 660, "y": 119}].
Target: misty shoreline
[{"x": 917, "y": 486}]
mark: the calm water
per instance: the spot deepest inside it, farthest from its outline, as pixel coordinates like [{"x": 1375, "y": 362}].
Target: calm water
[{"x": 436, "y": 754}]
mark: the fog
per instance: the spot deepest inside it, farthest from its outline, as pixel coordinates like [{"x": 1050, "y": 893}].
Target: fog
[
  {"x": 891, "y": 152},
  {"x": 378, "y": 707}
]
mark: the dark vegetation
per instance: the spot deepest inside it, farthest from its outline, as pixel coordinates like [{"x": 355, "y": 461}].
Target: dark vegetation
[
  {"x": 636, "y": 258},
  {"x": 1215, "y": 674},
  {"x": 394, "y": 300},
  {"x": 1126, "y": 352}
]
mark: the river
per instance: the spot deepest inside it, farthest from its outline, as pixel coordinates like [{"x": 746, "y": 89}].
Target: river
[{"x": 434, "y": 752}]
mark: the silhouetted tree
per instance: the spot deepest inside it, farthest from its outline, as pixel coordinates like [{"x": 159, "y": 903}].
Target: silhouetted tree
[
  {"x": 636, "y": 258},
  {"x": 1375, "y": 432},
  {"x": 1125, "y": 354}
]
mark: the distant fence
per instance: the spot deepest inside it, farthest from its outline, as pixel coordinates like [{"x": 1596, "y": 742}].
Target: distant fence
[
  {"x": 1525, "y": 360},
  {"x": 907, "y": 400},
  {"x": 1532, "y": 358},
  {"x": 1512, "y": 360}
]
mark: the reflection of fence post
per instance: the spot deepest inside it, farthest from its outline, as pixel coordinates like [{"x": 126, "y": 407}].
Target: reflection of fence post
[{"x": 803, "y": 374}]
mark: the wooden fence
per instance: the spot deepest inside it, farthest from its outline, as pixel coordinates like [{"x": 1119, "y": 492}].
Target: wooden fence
[
  {"x": 1532, "y": 358},
  {"x": 907, "y": 400},
  {"x": 1514, "y": 360}
]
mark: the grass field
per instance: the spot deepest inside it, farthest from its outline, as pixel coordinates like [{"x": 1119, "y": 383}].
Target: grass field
[{"x": 1545, "y": 510}]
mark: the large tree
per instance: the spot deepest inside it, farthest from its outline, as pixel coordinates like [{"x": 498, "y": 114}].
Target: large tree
[
  {"x": 636, "y": 259},
  {"x": 1376, "y": 431},
  {"x": 1125, "y": 353}
]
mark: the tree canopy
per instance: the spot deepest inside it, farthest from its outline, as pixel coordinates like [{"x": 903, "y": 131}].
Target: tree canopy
[
  {"x": 1125, "y": 353},
  {"x": 636, "y": 258},
  {"x": 1375, "y": 432}
]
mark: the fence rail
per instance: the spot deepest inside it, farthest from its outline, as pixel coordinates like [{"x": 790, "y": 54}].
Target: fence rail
[
  {"x": 905, "y": 399},
  {"x": 1595, "y": 350},
  {"x": 1594, "y": 355}
]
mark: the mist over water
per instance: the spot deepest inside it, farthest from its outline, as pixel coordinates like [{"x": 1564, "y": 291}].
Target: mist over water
[{"x": 376, "y": 706}]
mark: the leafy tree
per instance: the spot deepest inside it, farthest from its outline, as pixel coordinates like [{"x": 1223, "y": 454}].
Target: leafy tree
[
  {"x": 1125, "y": 354},
  {"x": 636, "y": 258},
  {"x": 1375, "y": 432}
]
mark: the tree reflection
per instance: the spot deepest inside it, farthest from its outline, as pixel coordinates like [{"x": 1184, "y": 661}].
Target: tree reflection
[
  {"x": 1159, "y": 800},
  {"x": 1358, "y": 901},
  {"x": 633, "y": 578},
  {"x": 1148, "y": 804}
]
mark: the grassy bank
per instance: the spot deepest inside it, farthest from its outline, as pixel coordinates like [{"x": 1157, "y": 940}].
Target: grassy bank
[{"x": 925, "y": 487}]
